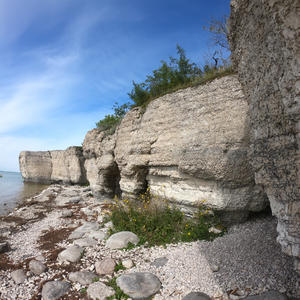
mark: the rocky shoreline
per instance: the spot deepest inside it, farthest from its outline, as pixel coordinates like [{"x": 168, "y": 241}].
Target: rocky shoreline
[{"x": 55, "y": 246}]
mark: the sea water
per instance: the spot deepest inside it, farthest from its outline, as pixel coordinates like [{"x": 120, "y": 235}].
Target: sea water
[{"x": 13, "y": 190}]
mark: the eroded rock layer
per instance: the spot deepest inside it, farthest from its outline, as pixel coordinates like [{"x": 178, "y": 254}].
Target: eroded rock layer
[
  {"x": 187, "y": 147},
  {"x": 265, "y": 39},
  {"x": 53, "y": 166}
]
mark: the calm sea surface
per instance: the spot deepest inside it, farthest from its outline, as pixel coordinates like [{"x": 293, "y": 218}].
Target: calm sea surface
[{"x": 13, "y": 190}]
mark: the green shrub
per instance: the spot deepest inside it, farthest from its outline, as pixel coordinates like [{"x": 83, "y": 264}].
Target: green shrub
[{"x": 157, "y": 223}]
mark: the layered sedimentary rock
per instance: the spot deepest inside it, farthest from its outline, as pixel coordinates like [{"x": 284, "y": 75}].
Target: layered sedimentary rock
[
  {"x": 265, "y": 39},
  {"x": 53, "y": 166},
  {"x": 187, "y": 147}
]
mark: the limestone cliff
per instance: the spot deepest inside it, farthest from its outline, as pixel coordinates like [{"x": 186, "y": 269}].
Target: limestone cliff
[
  {"x": 265, "y": 39},
  {"x": 64, "y": 166},
  {"x": 187, "y": 146}
]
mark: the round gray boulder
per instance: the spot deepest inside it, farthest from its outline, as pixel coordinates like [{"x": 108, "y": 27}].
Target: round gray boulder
[
  {"x": 100, "y": 291},
  {"x": 121, "y": 239},
  {"x": 196, "y": 296},
  {"x": 18, "y": 276},
  {"x": 36, "y": 267},
  {"x": 271, "y": 295},
  {"x": 53, "y": 290},
  {"x": 83, "y": 277},
  {"x": 71, "y": 254},
  {"x": 139, "y": 285}
]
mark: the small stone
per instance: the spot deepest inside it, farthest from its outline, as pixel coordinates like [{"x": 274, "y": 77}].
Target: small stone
[
  {"x": 85, "y": 242},
  {"x": 53, "y": 290},
  {"x": 100, "y": 219},
  {"x": 233, "y": 297},
  {"x": 109, "y": 224},
  {"x": 87, "y": 189},
  {"x": 40, "y": 258},
  {"x": 87, "y": 211},
  {"x": 74, "y": 200},
  {"x": 67, "y": 213},
  {"x": 196, "y": 296},
  {"x": 82, "y": 230},
  {"x": 271, "y": 295},
  {"x": 105, "y": 266},
  {"x": 127, "y": 263},
  {"x": 18, "y": 276},
  {"x": 121, "y": 239},
  {"x": 71, "y": 254},
  {"x": 159, "y": 262},
  {"x": 36, "y": 267},
  {"x": 214, "y": 268},
  {"x": 4, "y": 247},
  {"x": 82, "y": 277},
  {"x": 139, "y": 285},
  {"x": 214, "y": 230},
  {"x": 99, "y": 291}
]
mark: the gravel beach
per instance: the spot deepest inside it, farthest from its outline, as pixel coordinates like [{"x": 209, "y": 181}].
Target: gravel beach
[{"x": 247, "y": 260}]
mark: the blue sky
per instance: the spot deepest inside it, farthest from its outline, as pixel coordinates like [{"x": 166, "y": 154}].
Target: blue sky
[{"x": 63, "y": 63}]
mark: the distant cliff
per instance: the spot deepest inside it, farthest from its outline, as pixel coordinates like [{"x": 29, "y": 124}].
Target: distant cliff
[
  {"x": 187, "y": 146},
  {"x": 64, "y": 166}
]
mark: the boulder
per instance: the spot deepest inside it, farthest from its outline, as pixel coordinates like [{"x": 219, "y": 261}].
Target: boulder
[
  {"x": 53, "y": 290},
  {"x": 271, "y": 295},
  {"x": 71, "y": 254},
  {"x": 85, "y": 242},
  {"x": 105, "y": 266},
  {"x": 139, "y": 285},
  {"x": 37, "y": 267},
  {"x": 121, "y": 240},
  {"x": 83, "y": 277},
  {"x": 196, "y": 296},
  {"x": 99, "y": 291},
  {"x": 18, "y": 276}
]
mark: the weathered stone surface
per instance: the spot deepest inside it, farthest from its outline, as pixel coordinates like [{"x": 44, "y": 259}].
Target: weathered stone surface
[
  {"x": 85, "y": 242},
  {"x": 65, "y": 166},
  {"x": 37, "y": 267},
  {"x": 99, "y": 291},
  {"x": 101, "y": 168},
  {"x": 121, "y": 239},
  {"x": 84, "y": 229},
  {"x": 127, "y": 263},
  {"x": 105, "y": 266},
  {"x": 271, "y": 295},
  {"x": 267, "y": 58},
  {"x": 187, "y": 146},
  {"x": 139, "y": 285},
  {"x": 97, "y": 235},
  {"x": 196, "y": 296},
  {"x": 18, "y": 276},
  {"x": 83, "y": 277},
  {"x": 71, "y": 254},
  {"x": 53, "y": 290}
]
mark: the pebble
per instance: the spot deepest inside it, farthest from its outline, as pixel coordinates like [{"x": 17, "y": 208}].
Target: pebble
[
  {"x": 159, "y": 262},
  {"x": 67, "y": 213},
  {"x": 127, "y": 263}
]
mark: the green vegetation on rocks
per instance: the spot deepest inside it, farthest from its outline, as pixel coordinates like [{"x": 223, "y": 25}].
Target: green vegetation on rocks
[{"x": 155, "y": 222}]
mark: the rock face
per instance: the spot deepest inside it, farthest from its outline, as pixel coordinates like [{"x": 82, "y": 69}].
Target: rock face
[
  {"x": 267, "y": 56},
  {"x": 187, "y": 146},
  {"x": 65, "y": 166}
]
